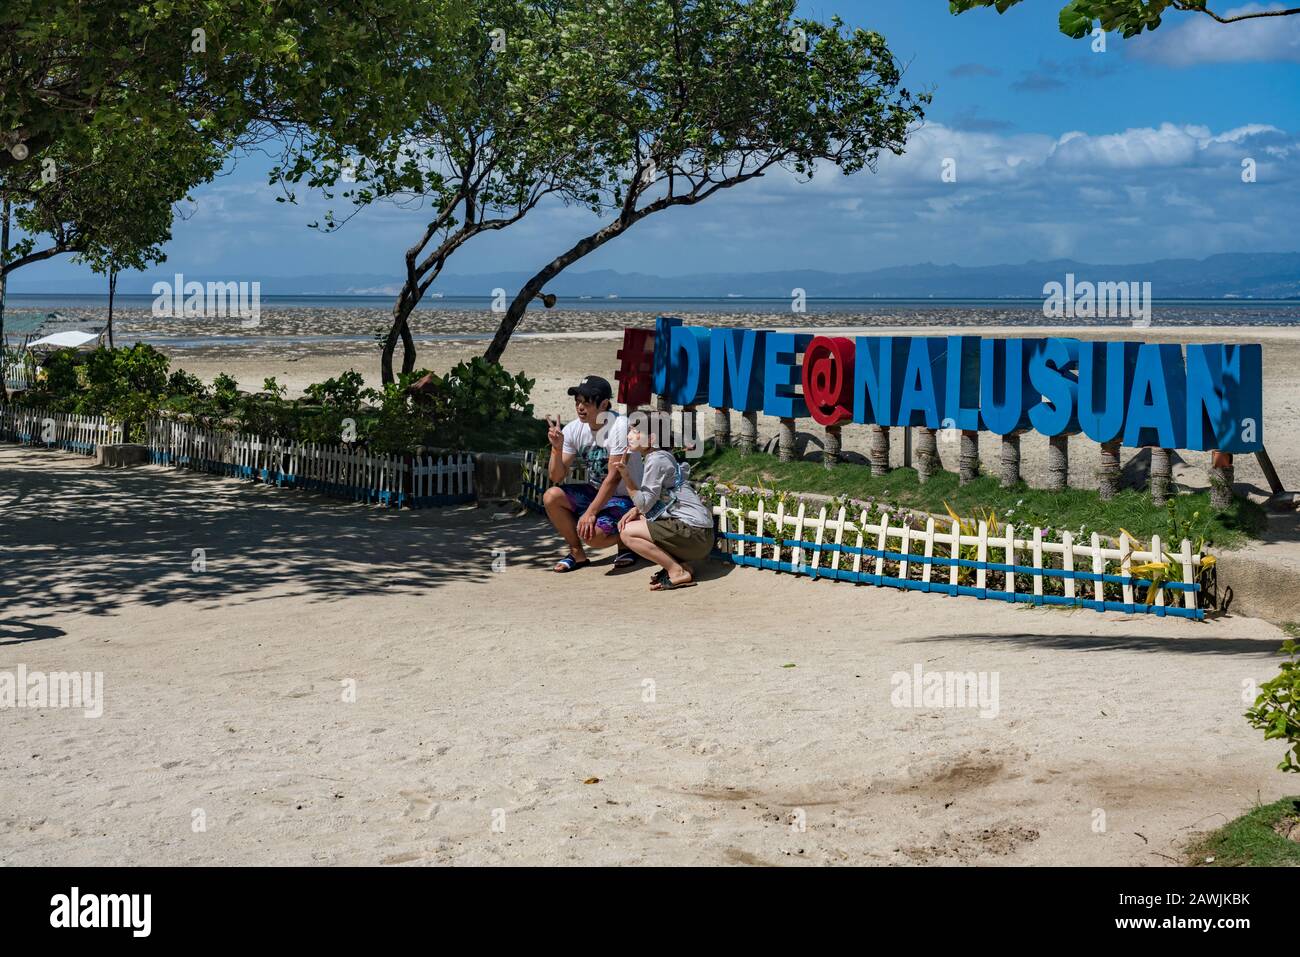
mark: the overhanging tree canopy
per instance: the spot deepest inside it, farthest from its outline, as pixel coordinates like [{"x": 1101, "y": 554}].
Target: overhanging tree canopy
[
  {"x": 681, "y": 99},
  {"x": 1129, "y": 17}
]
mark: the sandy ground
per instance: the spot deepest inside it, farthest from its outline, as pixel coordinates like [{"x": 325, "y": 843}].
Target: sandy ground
[
  {"x": 557, "y": 361},
  {"x": 709, "y": 722}
]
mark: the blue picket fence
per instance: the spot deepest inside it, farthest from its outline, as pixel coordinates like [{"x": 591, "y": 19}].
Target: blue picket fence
[
  {"x": 82, "y": 434},
  {"x": 339, "y": 471},
  {"x": 817, "y": 549}
]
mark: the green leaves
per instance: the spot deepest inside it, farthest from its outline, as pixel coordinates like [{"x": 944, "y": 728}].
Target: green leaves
[
  {"x": 1128, "y": 17},
  {"x": 1277, "y": 708}
]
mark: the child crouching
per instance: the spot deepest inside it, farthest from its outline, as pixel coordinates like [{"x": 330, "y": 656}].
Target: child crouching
[{"x": 668, "y": 523}]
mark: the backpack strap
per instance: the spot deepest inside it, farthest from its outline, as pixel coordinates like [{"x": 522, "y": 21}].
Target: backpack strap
[{"x": 668, "y": 501}]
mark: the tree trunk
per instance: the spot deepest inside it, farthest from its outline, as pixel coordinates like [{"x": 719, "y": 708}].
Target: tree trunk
[
  {"x": 4, "y": 284},
  {"x": 785, "y": 441},
  {"x": 831, "y": 457},
  {"x": 968, "y": 465},
  {"x": 722, "y": 428},
  {"x": 878, "y": 450},
  {"x": 1108, "y": 470},
  {"x": 112, "y": 292},
  {"x": 1221, "y": 476},
  {"x": 515, "y": 313},
  {"x": 400, "y": 329},
  {"x": 1161, "y": 471},
  {"x": 1010, "y": 460},
  {"x": 747, "y": 442},
  {"x": 927, "y": 454},
  {"x": 1058, "y": 462}
]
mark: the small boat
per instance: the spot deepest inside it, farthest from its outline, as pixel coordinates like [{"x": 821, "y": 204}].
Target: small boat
[{"x": 612, "y": 295}]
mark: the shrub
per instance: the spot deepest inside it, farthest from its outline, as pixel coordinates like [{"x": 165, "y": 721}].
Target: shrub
[{"x": 1277, "y": 709}]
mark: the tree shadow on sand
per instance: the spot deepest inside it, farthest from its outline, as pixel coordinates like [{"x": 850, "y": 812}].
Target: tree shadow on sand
[
  {"x": 15, "y": 632},
  {"x": 1237, "y": 647},
  {"x": 82, "y": 540}
]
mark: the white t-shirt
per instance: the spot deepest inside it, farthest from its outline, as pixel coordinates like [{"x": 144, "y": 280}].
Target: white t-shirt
[{"x": 610, "y": 438}]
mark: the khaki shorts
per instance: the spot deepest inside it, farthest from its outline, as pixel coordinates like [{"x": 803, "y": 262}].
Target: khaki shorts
[{"x": 685, "y": 542}]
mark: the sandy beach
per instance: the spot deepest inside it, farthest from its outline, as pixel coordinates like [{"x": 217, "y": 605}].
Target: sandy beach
[{"x": 350, "y": 685}]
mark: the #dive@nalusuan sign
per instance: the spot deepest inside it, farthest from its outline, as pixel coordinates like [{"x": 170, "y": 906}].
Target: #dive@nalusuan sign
[{"x": 1197, "y": 397}]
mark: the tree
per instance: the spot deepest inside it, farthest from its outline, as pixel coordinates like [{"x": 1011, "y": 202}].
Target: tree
[
  {"x": 70, "y": 65},
  {"x": 685, "y": 98},
  {"x": 480, "y": 161},
  {"x": 109, "y": 201},
  {"x": 1130, "y": 17}
]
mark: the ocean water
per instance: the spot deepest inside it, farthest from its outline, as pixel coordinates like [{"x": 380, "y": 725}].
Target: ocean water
[{"x": 335, "y": 322}]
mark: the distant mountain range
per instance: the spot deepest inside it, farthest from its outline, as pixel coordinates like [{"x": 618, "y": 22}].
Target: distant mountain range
[{"x": 1228, "y": 275}]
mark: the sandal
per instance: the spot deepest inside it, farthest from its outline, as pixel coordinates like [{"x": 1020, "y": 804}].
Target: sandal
[
  {"x": 658, "y": 577},
  {"x": 570, "y": 563},
  {"x": 668, "y": 584},
  {"x": 626, "y": 559}
]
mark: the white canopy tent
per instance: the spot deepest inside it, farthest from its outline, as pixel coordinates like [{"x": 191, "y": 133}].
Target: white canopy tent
[{"x": 65, "y": 340}]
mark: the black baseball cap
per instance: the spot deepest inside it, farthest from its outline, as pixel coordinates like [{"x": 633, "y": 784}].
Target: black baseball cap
[{"x": 593, "y": 387}]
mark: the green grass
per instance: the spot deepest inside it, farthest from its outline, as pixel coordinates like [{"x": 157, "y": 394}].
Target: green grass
[
  {"x": 1250, "y": 840},
  {"x": 1130, "y": 510},
  {"x": 1291, "y": 629}
]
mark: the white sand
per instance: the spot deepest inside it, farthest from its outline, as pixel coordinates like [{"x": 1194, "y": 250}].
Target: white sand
[{"x": 487, "y": 697}]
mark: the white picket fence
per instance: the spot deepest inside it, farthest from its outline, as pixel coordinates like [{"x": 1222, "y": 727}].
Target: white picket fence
[
  {"x": 340, "y": 471},
  {"x": 82, "y": 434},
  {"x": 16, "y": 377},
  {"x": 536, "y": 480},
  {"x": 929, "y": 559}
]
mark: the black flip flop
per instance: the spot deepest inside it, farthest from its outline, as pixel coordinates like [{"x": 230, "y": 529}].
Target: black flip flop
[
  {"x": 570, "y": 563},
  {"x": 626, "y": 559}
]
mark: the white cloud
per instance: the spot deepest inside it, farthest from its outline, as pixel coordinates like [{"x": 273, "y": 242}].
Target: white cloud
[{"x": 1197, "y": 39}]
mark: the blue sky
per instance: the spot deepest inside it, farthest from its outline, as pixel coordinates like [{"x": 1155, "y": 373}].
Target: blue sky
[{"x": 1127, "y": 155}]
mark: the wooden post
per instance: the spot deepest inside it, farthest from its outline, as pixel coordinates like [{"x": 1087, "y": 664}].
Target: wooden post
[
  {"x": 831, "y": 457},
  {"x": 1108, "y": 471},
  {"x": 879, "y": 450},
  {"x": 785, "y": 441},
  {"x": 927, "y": 453},
  {"x": 1221, "y": 476},
  {"x": 969, "y": 463},
  {"x": 748, "y": 440},
  {"x": 690, "y": 434},
  {"x": 1161, "y": 471},
  {"x": 1010, "y": 459},
  {"x": 722, "y": 428},
  {"x": 1058, "y": 462}
]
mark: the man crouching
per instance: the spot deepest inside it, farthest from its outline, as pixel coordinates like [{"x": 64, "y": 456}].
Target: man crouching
[{"x": 587, "y": 513}]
